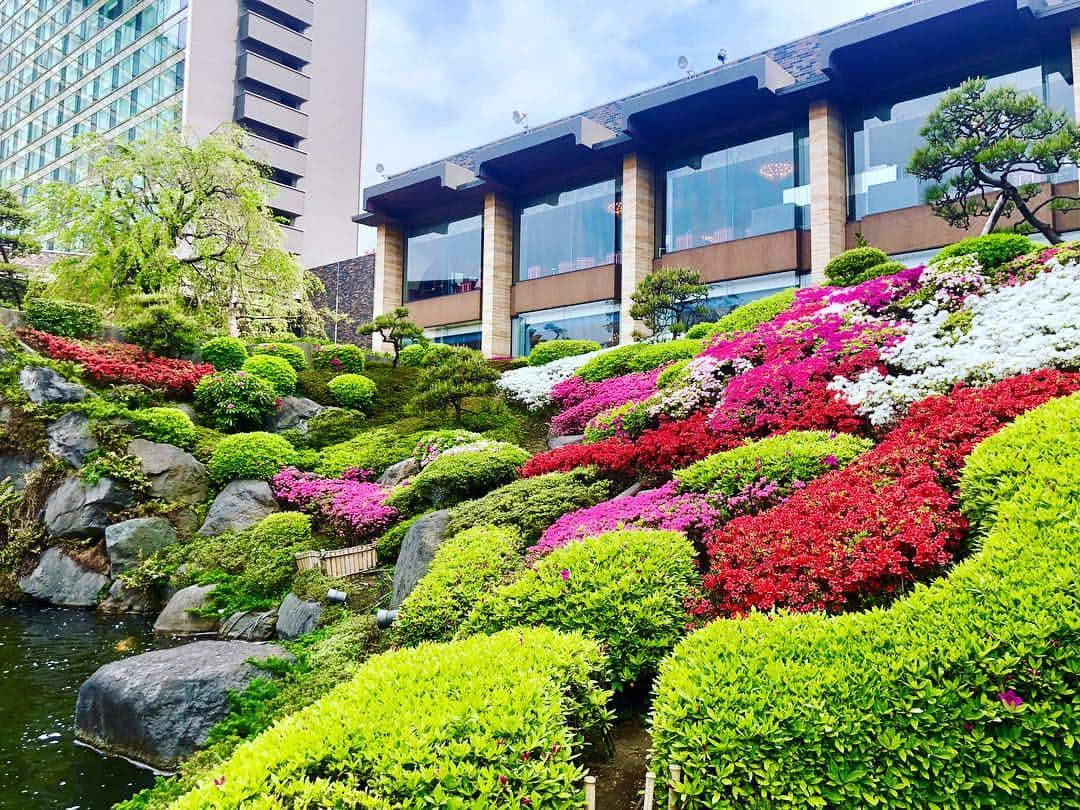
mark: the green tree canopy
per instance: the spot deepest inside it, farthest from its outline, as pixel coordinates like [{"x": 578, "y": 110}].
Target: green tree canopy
[
  {"x": 452, "y": 377},
  {"x": 394, "y": 328},
  {"x": 15, "y": 241},
  {"x": 663, "y": 298}
]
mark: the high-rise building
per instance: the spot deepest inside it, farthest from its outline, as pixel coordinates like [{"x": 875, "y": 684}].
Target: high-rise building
[{"x": 290, "y": 71}]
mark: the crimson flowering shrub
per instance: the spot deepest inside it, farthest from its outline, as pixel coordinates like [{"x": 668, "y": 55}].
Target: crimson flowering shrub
[
  {"x": 600, "y": 397},
  {"x": 121, "y": 363},
  {"x": 351, "y": 505}
]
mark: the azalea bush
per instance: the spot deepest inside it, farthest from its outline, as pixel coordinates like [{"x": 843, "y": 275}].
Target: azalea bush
[
  {"x": 351, "y": 506},
  {"x": 627, "y": 421},
  {"x": 275, "y": 370},
  {"x": 459, "y": 474},
  {"x": 234, "y": 400},
  {"x": 293, "y": 355},
  {"x": 342, "y": 358},
  {"x": 531, "y": 386},
  {"x": 848, "y": 268},
  {"x": 436, "y": 442},
  {"x": 373, "y": 450},
  {"x": 601, "y": 396},
  {"x": 991, "y": 250},
  {"x": 250, "y": 455},
  {"x": 353, "y": 391}
]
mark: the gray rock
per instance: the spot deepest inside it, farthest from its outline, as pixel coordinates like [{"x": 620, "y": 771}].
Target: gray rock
[
  {"x": 399, "y": 472},
  {"x": 42, "y": 384},
  {"x": 17, "y": 469},
  {"x": 177, "y": 619},
  {"x": 78, "y": 509},
  {"x": 239, "y": 506},
  {"x": 630, "y": 491},
  {"x": 174, "y": 475},
  {"x": 158, "y": 708},
  {"x": 294, "y": 413},
  {"x": 554, "y": 442},
  {"x": 296, "y": 617},
  {"x": 60, "y": 580},
  {"x": 70, "y": 439},
  {"x": 417, "y": 551},
  {"x": 122, "y": 599},
  {"x": 249, "y": 626},
  {"x": 131, "y": 542},
  {"x": 187, "y": 409}
]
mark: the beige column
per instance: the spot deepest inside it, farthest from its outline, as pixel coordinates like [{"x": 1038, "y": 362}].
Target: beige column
[
  {"x": 498, "y": 275},
  {"x": 828, "y": 187},
  {"x": 638, "y": 235},
  {"x": 389, "y": 275},
  {"x": 1074, "y": 36}
]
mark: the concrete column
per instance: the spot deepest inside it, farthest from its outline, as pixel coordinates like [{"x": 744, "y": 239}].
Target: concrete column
[
  {"x": 389, "y": 274},
  {"x": 498, "y": 275},
  {"x": 1074, "y": 36},
  {"x": 638, "y": 235},
  {"x": 828, "y": 187}
]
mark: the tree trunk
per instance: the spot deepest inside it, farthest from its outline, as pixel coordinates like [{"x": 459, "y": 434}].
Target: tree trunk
[
  {"x": 1047, "y": 230},
  {"x": 234, "y": 316},
  {"x": 995, "y": 214}
]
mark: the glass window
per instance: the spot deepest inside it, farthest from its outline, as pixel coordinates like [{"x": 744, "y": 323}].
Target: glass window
[
  {"x": 599, "y": 322},
  {"x": 724, "y": 296},
  {"x": 467, "y": 335},
  {"x": 569, "y": 230},
  {"x": 443, "y": 259},
  {"x": 882, "y": 139},
  {"x": 751, "y": 189}
]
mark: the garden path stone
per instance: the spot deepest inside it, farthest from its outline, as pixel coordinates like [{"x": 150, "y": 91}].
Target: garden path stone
[
  {"x": 178, "y": 620},
  {"x": 249, "y": 625},
  {"x": 174, "y": 474},
  {"x": 294, "y": 413},
  {"x": 122, "y": 599},
  {"x": 417, "y": 551},
  {"x": 42, "y": 385},
  {"x": 239, "y": 506},
  {"x": 399, "y": 472},
  {"x": 78, "y": 509},
  {"x": 133, "y": 541},
  {"x": 60, "y": 580},
  {"x": 70, "y": 439},
  {"x": 296, "y": 617},
  {"x": 555, "y": 442}
]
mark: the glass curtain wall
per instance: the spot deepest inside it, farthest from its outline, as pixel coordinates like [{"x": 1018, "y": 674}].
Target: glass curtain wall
[
  {"x": 444, "y": 259},
  {"x": 724, "y": 296},
  {"x": 569, "y": 230},
  {"x": 599, "y": 322},
  {"x": 467, "y": 335}
]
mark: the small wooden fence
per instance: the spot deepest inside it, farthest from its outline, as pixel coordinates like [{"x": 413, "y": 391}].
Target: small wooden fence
[
  {"x": 648, "y": 802},
  {"x": 344, "y": 562}
]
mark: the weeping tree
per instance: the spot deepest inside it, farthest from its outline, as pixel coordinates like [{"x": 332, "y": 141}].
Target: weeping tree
[
  {"x": 986, "y": 147},
  {"x": 176, "y": 215},
  {"x": 15, "y": 241}
]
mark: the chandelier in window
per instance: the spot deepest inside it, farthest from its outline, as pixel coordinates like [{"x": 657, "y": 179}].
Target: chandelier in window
[
  {"x": 615, "y": 208},
  {"x": 776, "y": 170}
]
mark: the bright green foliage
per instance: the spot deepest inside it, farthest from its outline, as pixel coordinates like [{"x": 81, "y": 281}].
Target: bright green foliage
[
  {"x": 465, "y": 567},
  {"x": 743, "y": 319},
  {"x": 165, "y": 425},
  {"x": 784, "y": 459},
  {"x": 626, "y": 589},
  {"x": 394, "y": 328},
  {"x": 64, "y": 318},
  {"x": 353, "y": 391},
  {"x": 224, "y": 353},
  {"x": 434, "y": 442},
  {"x": 530, "y": 505},
  {"x": 664, "y": 297},
  {"x": 163, "y": 330},
  {"x": 333, "y": 426},
  {"x": 638, "y": 357},
  {"x": 451, "y": 377},
  {"x": 234, "y": 400},
  {"x": 845, "y": 269},
  {"x": 455, "y": 477},
  {"x": 250, "y": 455},
  {"x": 275, "y": 370},
  {"x": 557, "y": 349},
  {"x": 15, "y": 241},
  {"x": 341, "y": 358},
  {"x": 373, "y": 450},
  {"x": 961, "y": 695},
  {"x": 992, "y": 250},
  {"x": 884, "y": 269},
  {"x": 417, "y": 355},
  {"x": 286, "y": 351},
  {"x": 630, "y": 417},
  {"x": 673, "y": 375},
  {"x": 484, "y": 722}
]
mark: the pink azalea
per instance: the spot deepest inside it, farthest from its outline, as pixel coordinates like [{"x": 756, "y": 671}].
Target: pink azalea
[{"x": 352, "y": 504}]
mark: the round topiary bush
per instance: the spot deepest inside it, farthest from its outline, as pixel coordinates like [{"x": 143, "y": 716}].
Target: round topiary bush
[
  {"x": 286, "y": 351},
  {"x": 63, "y": 318},
  {"x": 164, "y": 331},
  {"x": 275, "y": 370},
  {"x": 459, "y": 474},
  {"x": 992, "y": 250},
  {"x": 165, "y": 425},
  {"x": 547, "y": 351},
  {"x": 843, "y": 270},
  {"x": 224, "y": 353},
  {"x": 250, "y": 455},
  {"x": 234, "y": 400},
  {"x": 343, "y": 358},
  {"x": 353, "y": 391},
  {"x": 884, "y": 269}
]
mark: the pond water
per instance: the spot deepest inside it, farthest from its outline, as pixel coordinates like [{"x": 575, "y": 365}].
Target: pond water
[{"x": 45, "y": 655}]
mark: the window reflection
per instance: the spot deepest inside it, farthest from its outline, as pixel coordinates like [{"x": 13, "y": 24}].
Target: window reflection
[
  {"x": 569, "y": 230},
  {"x": 599, "y": 322},
  {"x": 443, "y": 259},
  {"x": 725, "y": 296},
  {"x": 467, "y": 335}
]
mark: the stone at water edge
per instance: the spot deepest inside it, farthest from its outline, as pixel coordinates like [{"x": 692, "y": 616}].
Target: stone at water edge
[
  {"x": 78, "y": 509},
  {"x": 177, "y": 619},
  {"x": 239, "y": 506},
  {"x": 297, "y": 617},
  {"x": 174, "y": 474},
  {"x": 417, "y": 551},
  {"x": 399, "y": 472},
  {"x": 294, "y": 413},
  {"x": 555, "y": 442},
  {"x": 158, "y": 707},
  {"x": 70, "y": 439},
  {"x": 249, "y": 625},
  {"x": 131, "y": 542},
  {"x": 42, "y": 385},
  {"x": 60, "y": 580},
  {"x": 122, "y": 599}
]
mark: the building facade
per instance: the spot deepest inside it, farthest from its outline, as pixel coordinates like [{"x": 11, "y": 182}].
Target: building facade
[
  {"x": 289, "y": 71},
  {"x": 755, "y": 173}
]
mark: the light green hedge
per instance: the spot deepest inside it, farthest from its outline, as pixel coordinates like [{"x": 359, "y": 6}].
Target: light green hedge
[
  {"x": 373, "y": 450},
  {"x": 744, "y": 318},
  {"x": 551, "y": 350},
  {"x": 992, "y": 250},
  {"x": 293, "y": 355},
  {"x": 353, "y": 391},
  {"x": 64, "y": 318},
  {"x": 637, "y": 357},
  {"x": 166, "y": 425},
  {"x": 256, "y": 455},
  {"x": 275, "y": 370},
  {"x": 961, "y": 695},
  {"x": 485, "y": 722},
  {"x": 224, "y": 353},
  {"x": 455, "y": 477}
]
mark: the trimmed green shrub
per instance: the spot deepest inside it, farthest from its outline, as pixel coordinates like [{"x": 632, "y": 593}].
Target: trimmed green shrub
[
  {"x": 333, "y": 426},
  {"x": 374, "y": 450},
  {"x": 224, "y": 353},
  {"x": 166, "y": 425},
  {"x": 674, "y": 375},
  {"x": 458, "y": 476},
  {"x": 638, "y": 357},
  {"x": 433, "y": 442},
  {"x": 465, "y": 567},
  {"x": 884, "y": 269},
  {"x": 627, "y": 589},
  {"x": 417, "y": 355},
  {"x": 783, "y": 460},
  {"x": 250, "y": 455},
  {"x": 530, "y": 505},
  {"x": 743, "y": 319},
  {"x": 234, "y": 400},
  {"x": 549, "y": 350},
  {"x": 294, "y": 355},
  {"x": 962, "y": 694},
  {"x": 312, "y": 384},
  {"x": 843, "y": 270},
  {"x": 353, "y": 391},
  {"x": 341, "y": 358},
  {"x": 992, "y": 250},
  {"x": 485, "y": 722},
  {"x": 63, "y": 318},
  {"x": 163, "y": 330},
  {"x": 275, "y": 370}
]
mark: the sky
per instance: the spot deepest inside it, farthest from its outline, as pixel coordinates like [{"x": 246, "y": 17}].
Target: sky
[{"x": 446, "y": 75}]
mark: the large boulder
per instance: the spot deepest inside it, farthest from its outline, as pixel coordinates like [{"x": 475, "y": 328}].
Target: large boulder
[
  {"x": 179, "y": 617},
  {"x": 17, "y": 469},
  {"x": 294, "y": 412},
  {"x": 78, "y": 509},
  {"x": 70, "y": 439},
  {"x": 42, "y": 385},
  {"x": 399, "y": 472},
  {"x": 251, "y": 625},
  {"x": 61, "y": 580},
  {"x": 417, "y": 551},
  {"x": 174, "y": 474},
  {"x": 158, "y": 708},
  {"x": 131, "y": 542},
  {"x": 555, "y": 442},
  {"x": 297, "y": 617},
  {"x": 122, "y": 599},
  {"x": 239, "y": 506}
]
